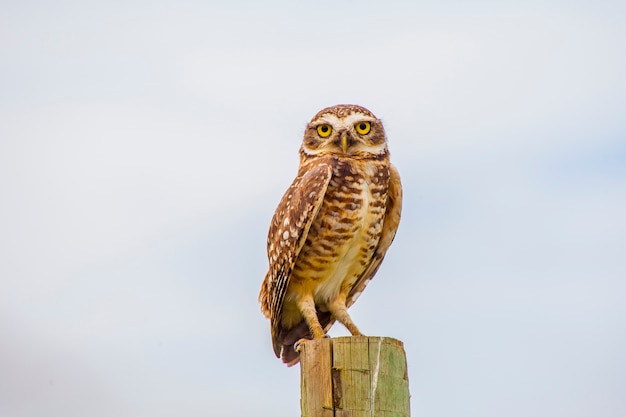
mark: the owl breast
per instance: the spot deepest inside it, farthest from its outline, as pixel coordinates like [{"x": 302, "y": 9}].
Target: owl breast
[{"x": 345, "y": 232}]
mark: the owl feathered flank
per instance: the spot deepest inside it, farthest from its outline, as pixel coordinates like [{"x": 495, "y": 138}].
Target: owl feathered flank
[{"x": 289, "y": 227}]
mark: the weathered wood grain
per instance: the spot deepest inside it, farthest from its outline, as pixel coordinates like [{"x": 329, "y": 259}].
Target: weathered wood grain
[{"x": 354, "y": 377}]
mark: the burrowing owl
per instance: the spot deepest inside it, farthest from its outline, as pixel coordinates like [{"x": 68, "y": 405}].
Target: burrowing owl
[{"x": 331, "y": 229}]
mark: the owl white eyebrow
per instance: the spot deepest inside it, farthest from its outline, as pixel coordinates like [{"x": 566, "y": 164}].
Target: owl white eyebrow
[{"x": 347, "y": 121}]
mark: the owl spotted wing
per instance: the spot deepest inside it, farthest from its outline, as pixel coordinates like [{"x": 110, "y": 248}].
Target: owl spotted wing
[
  {"x": 390, "y": 225},
  {"x": 288, "y": 231}
]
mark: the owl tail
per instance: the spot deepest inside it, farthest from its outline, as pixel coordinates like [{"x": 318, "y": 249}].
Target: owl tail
[{"x": 287, "y": 338}]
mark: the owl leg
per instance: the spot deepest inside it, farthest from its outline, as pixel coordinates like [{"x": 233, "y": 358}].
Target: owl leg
[
  {"x": 338, "y": 309},
  {"x": 306, "y": 305}
]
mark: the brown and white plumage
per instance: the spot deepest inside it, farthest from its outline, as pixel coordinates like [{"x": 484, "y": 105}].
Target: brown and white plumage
[{"x": 331, "y": 229}]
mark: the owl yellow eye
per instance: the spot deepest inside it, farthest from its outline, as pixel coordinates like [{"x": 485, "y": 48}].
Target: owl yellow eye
[
  {"x": 363, "y": 128},
  {"x": 324, "y": 130}
]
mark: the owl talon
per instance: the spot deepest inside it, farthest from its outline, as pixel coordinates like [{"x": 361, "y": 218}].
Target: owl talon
[{"x": 298, "y": 345}]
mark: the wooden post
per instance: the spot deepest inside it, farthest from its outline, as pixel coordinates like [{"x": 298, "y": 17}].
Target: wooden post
[{"x": 354, "y": 377}]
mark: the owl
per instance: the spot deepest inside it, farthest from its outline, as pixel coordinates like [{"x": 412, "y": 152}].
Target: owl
[{"x": 331, "y": 229}]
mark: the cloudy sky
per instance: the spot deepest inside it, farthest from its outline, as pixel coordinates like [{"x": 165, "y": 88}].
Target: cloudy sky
[{"x": 145, "y": 145}]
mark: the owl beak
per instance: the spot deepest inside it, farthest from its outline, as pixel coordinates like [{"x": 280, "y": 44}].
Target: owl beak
[{"x": 344, "y": 142}]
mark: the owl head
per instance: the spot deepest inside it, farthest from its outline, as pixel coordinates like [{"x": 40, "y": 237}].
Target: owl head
[{"x": 344, "y": 130}]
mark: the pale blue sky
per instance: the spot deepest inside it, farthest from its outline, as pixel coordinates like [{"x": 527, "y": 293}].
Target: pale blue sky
[{"x": 144, "y": 147}]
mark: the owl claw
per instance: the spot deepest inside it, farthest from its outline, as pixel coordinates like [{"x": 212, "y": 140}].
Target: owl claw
[{"x": 298, "y": 345}]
